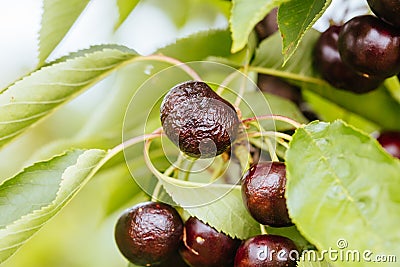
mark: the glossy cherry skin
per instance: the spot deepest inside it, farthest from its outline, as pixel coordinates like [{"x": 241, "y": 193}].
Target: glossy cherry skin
[
  {"x": 263, "y": 193},
  {"x": 387, "y": 10},
  {"x": 370, "y": 46},
  {"x": 328, "y": 62},
  {"x": 268, "y": 25},
  {"x": 267, "y": 251},
  {"x": 206, "y": 247},
  {"x": 149, "y": 233},
  {"x": 174, "y": 261},
  {"x": 390, "y": 141}
]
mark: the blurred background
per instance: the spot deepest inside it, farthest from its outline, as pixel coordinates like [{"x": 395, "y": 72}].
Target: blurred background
[{"x": 82, "y": 234}]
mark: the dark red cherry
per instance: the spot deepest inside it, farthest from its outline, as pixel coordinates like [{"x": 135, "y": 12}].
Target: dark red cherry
[
  {"x": 390, "y": 141},
  {"x": 370, "y": 46},
  {"x": 268, "y": 25},
  {"x": 274, "y": 85},
  {"x": 263, "y": 192},
  {"x": 149, "y": 233},
  {"x": 174, "y": 261},
  {"x": 387, "y": 10},
  {"x": 328, "y": 62},
  {"x": 267, "y": 251},
  {"x": 206, "y": 247}
]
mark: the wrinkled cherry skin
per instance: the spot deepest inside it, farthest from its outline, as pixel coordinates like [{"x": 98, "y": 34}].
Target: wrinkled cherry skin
[
  {"x": 149, "y": 233},
  {"x": 390, "y": 141},
  {"x": 263, "y": 193},
  {"x": 387, "y": 10},
  {"x": 266, "y": 251},
  {"x": 268, "y": 25},
  {"x": 206, "y": 247},
  {"x": 370, "y": 46},
  {"x": 197, "y": 120},
  {"x": 328, "y": 62}
]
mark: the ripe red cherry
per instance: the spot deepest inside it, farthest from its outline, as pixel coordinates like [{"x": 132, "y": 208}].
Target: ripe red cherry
[
  {"x": 387, "y": 10},
  {"x": 274, "y": 85},
  {"x": 263, "y": 192},
  {"x": 370, "y": 46},
  {"x": 206, "y": 247},
  {"x": 390, "y": 141},
  {"x": 149, "y": 233},
  {"x": 268, "y": 25},
  {"x": 267, "y": 251},
  {"x": 328, "y": 62}
]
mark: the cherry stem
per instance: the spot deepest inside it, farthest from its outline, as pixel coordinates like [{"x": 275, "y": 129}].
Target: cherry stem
[
  {"x": 271, "y": 150},
  {"x": 156, "y": 191},
  {"x": 273, "y": 117},
  {"x": 226, "y": 81},
  {"x": 242, "y": 85},
  {"x": 176, "y": 62},
  {"x": 271, "y": 134},
  {"x": 130, "y": 142},
  {"x": 263, "y": 229}
]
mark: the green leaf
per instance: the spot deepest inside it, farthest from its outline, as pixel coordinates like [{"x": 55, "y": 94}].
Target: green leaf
[
  {"x": 343, "y": 190},
  {"x": 293, "y": 234},
  {"x": 393, "y": 86},
  {"x": 223, "y": 209},
  {"x": 38, "y": 94},
  {"x": 125, "y": 7},
  {"x": 377, "y": 106},
  {"x": 219, "y": 205},
  {"x": 295, "y": 17},
  {"x": 244, "y": 16},
  {"x": 58, "y": 18},
  {"x": 32, "y": 197},
  {"x": 200, "y": 45},
  {"x": 130, "y": 264}
]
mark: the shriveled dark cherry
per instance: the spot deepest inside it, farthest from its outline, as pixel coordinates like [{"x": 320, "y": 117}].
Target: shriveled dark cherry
[
  {"x": 390, "y": 141},
  {"x": 263, "y": 192},
  {"x": 328, "y": 62},
  {"x": 197, "y": 120},
  {"x": 267, "y": 251},
  {"x": 149, "y": 233},
  {"x": 206, "y": 247},
  {"x": 268, "y": 25},
  {"x": 370, "y": 46},
  {"x": 387, "y": 10}
]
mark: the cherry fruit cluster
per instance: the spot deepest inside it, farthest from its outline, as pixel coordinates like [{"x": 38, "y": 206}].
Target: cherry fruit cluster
[
  {"x": 359, "y": 55},
  {"x": 202, "y": 124}
]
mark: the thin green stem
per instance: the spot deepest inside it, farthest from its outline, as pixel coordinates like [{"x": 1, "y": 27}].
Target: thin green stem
[
  {"x": 226, "y": 81},
  {"x": 271, "y": 134},
  {"x": 176, "y": 62},
  {"x": 128, "y": 143},
  {"x": 189, "y": 168},
  {"x": 273, "y": 117},
  {"x": 288, "y": 75},
  {"x": 156, "y": 192},
  {"x": 271, "y": 150},
  {"x": 263, "y": 229}
]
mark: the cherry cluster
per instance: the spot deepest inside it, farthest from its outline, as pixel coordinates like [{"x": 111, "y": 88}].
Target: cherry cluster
[
  {"x": 203, "y": 125},
  {"x": 153, "y": 234},
  {"x": 359, "y": 55}
]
